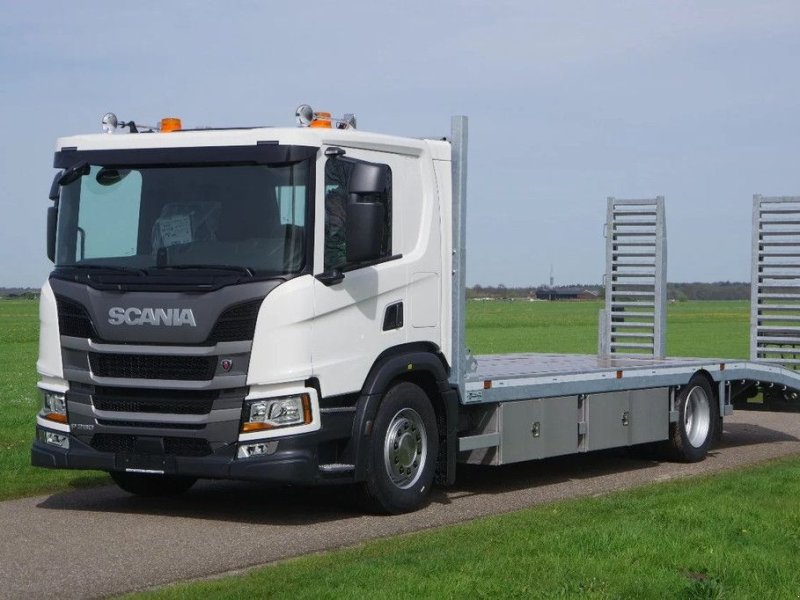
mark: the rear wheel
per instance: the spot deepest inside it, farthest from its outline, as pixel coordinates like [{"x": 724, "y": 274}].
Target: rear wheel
[
  {"x": 698, "y": 421},
  {"x": 402, "y": 455},
  {"x": 148, "y": 484}
]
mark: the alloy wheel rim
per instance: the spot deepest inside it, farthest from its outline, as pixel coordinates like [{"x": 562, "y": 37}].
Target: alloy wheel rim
[
  {"x": 405, "y": 448},
  {"x": 697, "y": 416}
]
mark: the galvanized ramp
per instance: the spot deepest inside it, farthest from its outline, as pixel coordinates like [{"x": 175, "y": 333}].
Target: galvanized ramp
[
  {"x": 634, "y": 318},
  {"x": 775, "y": 289}
]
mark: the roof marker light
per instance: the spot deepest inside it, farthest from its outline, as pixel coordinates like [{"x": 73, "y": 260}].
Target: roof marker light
[
  {"x": 169, "y": 124},
  {"x": 321, "y": 120}
]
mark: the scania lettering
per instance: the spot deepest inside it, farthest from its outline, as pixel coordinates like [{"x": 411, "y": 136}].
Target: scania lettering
[
  {"x": 287, "y": 305},
  {"x": 169, "y": 317}
]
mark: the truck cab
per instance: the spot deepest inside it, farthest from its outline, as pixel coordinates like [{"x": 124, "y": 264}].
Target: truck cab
[{"x": 251, "y": 303}]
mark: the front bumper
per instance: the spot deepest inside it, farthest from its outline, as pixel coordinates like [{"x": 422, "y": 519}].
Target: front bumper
[{"x": 293, "y": 459}]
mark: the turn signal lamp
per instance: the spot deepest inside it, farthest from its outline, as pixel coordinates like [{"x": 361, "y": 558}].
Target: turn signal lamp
[
  {"x": 321, "y": 119},
  {"x": 170, "y": 124}
]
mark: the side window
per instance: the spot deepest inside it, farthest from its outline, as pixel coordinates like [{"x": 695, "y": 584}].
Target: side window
[
  {"x": 337, "y": 179},
  {"x": 291, "y": 204},
  {"x": 107, "y": 208}
]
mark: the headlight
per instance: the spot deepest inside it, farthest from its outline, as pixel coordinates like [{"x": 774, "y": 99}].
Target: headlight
[
  {"x": 54, "y": 406},
  {"x": 261, "y": 415}
]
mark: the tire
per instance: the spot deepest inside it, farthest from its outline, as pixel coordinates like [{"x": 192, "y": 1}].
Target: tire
[
  {"x": 698, "y": 421},
  {"x": 145, "y": 484},
  {"x": 402, "y": 453}
]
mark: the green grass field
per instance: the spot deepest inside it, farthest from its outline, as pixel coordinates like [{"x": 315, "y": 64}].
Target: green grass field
[
  {"x": 19, "y": 345},
  {"x": 694, "y": 329},
  {"x": 703, "y": 329}
]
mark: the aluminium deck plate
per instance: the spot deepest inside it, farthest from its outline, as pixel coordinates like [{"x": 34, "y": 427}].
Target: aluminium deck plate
[{"x": 509, "y": 377}]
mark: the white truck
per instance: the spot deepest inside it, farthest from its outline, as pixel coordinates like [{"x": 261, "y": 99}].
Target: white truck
[{"x": 287, "y": 305}]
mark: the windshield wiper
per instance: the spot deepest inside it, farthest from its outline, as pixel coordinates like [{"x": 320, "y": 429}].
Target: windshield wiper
[
  {"x": 245, "y": 270},
  {"x": 128, "y": 270}
]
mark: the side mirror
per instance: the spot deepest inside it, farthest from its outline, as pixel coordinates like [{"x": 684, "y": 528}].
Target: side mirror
[
  {"x": 55, "y": 187},
  {"x": 364, "y": 231},
  {"x": 367, "y": 178},
  {"x": 52, "y": 219}
]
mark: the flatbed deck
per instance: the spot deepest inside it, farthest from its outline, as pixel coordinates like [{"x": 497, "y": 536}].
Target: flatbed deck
[{"x": 508, "y": 377}]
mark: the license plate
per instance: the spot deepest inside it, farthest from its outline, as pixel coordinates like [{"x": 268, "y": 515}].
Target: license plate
[{"x": 142, "y": 463}]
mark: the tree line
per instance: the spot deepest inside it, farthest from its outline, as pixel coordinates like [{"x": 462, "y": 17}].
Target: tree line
[
  {"x": 17, "y": 292},
  {"x": 718, "y": 290}
]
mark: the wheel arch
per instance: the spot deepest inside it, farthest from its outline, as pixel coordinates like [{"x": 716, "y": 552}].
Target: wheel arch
[
  {"x": 708, "y": 377},
  {"x": 423, "y": 365},
  {"x": 714, "y": 385}
]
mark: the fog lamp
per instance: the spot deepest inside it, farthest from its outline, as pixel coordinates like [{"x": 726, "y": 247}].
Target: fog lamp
[
  {"x": 53, "y": 438},
  {"x": 56, "y": 439},
  {"x": 260, "y": 449}
]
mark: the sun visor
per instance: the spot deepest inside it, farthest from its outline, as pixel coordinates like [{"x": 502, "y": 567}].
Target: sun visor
[{"x": 266, "y": 153}]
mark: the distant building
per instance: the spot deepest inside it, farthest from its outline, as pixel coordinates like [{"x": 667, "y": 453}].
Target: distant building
[{"x": 566, "y": 293}]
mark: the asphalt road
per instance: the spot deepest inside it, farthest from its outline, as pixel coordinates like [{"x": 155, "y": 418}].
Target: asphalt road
[{"x": 99, "y": 542}]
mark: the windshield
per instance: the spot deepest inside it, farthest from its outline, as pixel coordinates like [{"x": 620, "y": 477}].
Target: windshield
[{"x": 249, "y": 217}]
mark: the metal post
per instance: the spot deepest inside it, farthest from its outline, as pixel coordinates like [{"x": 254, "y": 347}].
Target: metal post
[
  {"x": 458, "y": 142},
  {"x": 608, "y": 281},
  {"x": 754, "y": 277},
  {"x": 660, "y": 339}
]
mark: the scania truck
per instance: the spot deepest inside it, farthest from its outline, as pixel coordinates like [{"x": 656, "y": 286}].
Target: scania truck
[{"x": 287, "y": 305}]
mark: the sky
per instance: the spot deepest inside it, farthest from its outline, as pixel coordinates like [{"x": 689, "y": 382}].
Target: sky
[{"x": 569, "y": 102}]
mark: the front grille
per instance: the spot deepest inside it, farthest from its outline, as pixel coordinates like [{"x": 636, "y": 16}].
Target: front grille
[
  {"x": 152, "y": 425},
  {"x": 151, "y": 366},
  {"x": 237, "y": 323},
  {"x": 175, "y": 402},
  {"x": 73, "y": 319},
  {"x": 109, "y": 442},
  {"x": 173, "y": 446}
]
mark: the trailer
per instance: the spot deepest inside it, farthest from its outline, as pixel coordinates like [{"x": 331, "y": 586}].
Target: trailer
[{"x": 288, "y": 305}]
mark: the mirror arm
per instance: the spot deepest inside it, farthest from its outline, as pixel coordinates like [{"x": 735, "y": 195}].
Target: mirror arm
[{"x": 332, "y": 277}]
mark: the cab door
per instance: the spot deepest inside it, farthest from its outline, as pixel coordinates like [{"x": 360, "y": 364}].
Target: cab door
[{"x": 361, "y": 314}]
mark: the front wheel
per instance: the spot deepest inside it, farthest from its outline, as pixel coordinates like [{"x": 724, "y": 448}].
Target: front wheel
[
  {"x": 147, "y": 484},
  {"x": 698, "y": 421},
  {"x": 403, "y": 451}
]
